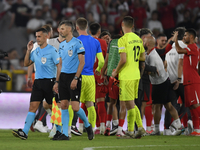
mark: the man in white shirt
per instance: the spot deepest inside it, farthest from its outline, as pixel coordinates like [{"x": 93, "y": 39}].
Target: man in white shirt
[{"x": 160, "y": 87}]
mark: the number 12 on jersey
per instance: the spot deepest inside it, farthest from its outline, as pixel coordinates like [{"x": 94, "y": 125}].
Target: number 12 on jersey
[{"x": 136, "y": 50}]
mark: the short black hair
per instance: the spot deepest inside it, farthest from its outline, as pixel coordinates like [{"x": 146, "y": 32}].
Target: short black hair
[
  {"x": 192, "y": 32},
  {"x": 181, "y": 32},
  {"x": 67, "y": 23},
  {"x": 128, "y": 21},
  {"x": 94, "y": 28},
  {"x": 161, "y": 35},
  {"x": 43, "y": 30},
  {"x": 104, "y": 33},
  {"x": 145, "y": 31}
]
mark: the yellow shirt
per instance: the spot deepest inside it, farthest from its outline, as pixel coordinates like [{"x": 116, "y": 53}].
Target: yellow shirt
[{"x": 132, "y": 45}]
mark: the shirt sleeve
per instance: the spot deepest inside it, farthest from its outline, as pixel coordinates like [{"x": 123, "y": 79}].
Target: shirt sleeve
[
  {"x": 55, "y": 56},
  {"x": 80, "y": 47},
  {"x": 121, "y": 46},
  {"x": 190, "y": 50}
]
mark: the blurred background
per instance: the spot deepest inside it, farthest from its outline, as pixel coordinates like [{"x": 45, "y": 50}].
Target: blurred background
[{"x": 19, "y": 19}]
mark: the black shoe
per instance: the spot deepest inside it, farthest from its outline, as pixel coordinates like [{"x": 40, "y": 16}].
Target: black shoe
[
  {"x": 56, "y": 135},
  {"x": 20, "y": 133},
  {"x": 90, "y": 132},
  {"x": 75, "y": 131},
  {"x": 114, "y": 130},
  {"x": 62, "y": 137}
]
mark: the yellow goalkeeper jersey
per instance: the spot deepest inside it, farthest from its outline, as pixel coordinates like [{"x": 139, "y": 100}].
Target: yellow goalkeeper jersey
[{"x": 132, "y": 45}]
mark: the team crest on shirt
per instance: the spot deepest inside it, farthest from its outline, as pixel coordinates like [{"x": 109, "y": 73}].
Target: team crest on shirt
[
  {"x": 43, "y": 60},
  {"x": 70, "y": 53}
]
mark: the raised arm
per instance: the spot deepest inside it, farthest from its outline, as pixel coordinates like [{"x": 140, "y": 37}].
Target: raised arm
[{"x": 27, "y": 61}]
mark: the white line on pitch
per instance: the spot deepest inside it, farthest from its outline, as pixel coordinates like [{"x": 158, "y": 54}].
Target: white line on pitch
[{"x": 100, "y": 147}]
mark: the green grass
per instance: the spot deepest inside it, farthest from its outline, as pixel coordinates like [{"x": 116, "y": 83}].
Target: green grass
[{"x": 40, "y": 141}]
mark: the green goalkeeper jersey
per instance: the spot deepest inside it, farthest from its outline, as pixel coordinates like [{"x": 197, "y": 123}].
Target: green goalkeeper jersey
[{"x": 114, "y": 56}]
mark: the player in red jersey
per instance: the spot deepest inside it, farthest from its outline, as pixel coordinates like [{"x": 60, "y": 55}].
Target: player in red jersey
[
  {"x": 101, "y": 88},
  {"x": 191, "y": 78}
]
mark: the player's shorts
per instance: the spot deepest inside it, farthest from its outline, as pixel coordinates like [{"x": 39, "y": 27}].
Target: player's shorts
[
  {"x": 43, "y": 89},
  {"x": 101, "y": 89},
  {"x": 128, "y": 90},
  {"x": 113, "y": 89},
  {"x": 160, "y": 93},
  {"x": 192, "y": 94},
  {"x": 88, "y": 88},
  {"x": 65, "y": 92}
]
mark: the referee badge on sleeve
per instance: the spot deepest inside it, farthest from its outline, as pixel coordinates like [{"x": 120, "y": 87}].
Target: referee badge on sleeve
[
  {"x": 43, "y": 60},
  {"x": 70, "y": 53}
]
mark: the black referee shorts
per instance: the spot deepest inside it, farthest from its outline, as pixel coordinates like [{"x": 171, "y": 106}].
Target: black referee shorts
[
  {"x": 161, "y": 92},
  {"x": 43, "y": 89},
  {"x": 65, "y": 92}
]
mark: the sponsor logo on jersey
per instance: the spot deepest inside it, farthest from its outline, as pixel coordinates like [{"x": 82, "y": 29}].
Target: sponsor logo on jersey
[
  {"x": 43, "y": 60},
  {"x": 70, "y": 53},
  {"x": 81, "y": 48}
]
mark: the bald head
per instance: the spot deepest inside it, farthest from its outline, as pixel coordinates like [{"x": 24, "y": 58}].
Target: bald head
[{"x": 149, "y": 42}]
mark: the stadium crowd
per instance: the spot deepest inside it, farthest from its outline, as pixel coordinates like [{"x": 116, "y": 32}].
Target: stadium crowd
[{"x": 164, "y": 74}]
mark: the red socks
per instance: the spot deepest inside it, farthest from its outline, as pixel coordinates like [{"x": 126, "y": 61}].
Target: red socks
[
  {"x": 121, "y": 122},
  {"x": 102, "y": 112},
  {"x": 109, "y": 117},
  {"x": 148, "y": 115},
  {"x": 97, "y": 120}
]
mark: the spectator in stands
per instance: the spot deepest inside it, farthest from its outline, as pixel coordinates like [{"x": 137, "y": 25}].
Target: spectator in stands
[
  {"x": 69, "y": 12},
  {"x": 13, "y": 56},
  {"x": 46, "y": 11},
  {"x": 145, "y": 5},
  {"x": 139, "y": 14},
  {"x": 34, "y": 24},
  {"x": 180, "y": 11},
  {"x": 112, "y": 12},
  {"x": 20, "y": 84},
  {"x": 79, "y": 5},
  {"x": 90, "y": 17},
  {"x": 103, "y": 21},
  {"x": 187, "y": 21},
  {"x": 37, "y": 5},
  {"x": 118, "y": 20},
  {"x": 154, "y": 24},
  {"x": 95, "y": 7},
  {"x": 20, "y": 14},
  {"x": 166, "y": 11}
]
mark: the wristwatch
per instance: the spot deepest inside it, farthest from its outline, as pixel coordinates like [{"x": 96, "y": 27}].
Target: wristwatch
[{"x": 75, "y": 78}]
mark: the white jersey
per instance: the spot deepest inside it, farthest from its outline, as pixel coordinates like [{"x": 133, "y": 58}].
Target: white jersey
[
  {"x": 153, "y": 59},
  {"x": 172, "y": 59},
  {"x": 53, "y": 42}
]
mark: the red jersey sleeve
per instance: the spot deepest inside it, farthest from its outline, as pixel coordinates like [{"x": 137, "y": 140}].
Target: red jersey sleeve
[{"x": 191, "y": 49}]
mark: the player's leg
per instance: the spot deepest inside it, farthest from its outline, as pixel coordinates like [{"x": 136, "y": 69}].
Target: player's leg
[
  {"x": 75, "y": 101},
  {"x": 192, "y": 96},
  {"x": 88, "y": 90},
  {"x": 35, "y": 100},
  {"x": 111, "y": 109}
]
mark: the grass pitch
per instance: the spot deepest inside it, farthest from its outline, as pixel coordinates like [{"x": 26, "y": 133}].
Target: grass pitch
[{"x": 40, "y": 141}]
